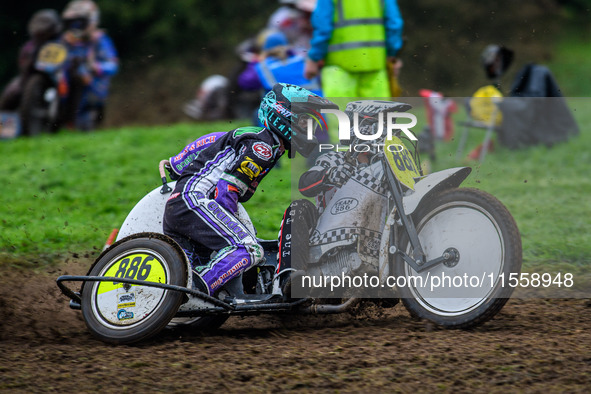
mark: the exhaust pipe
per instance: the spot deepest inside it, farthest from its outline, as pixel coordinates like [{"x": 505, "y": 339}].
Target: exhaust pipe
[{"x": 325, "y": 309}]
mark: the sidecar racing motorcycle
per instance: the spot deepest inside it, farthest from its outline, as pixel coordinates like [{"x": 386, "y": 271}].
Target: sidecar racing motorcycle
[{"x": 390, "y": 221}]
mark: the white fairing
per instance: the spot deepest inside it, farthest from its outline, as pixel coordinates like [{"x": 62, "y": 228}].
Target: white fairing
[
  {"x": 147, "y": 215},
  {"x": 412, "y": 198}
]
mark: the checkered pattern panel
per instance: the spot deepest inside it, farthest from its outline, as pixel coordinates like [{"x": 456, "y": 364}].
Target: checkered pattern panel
[
  {"x": 368, "y": 239},
  {"x": 373, "y": 183}
]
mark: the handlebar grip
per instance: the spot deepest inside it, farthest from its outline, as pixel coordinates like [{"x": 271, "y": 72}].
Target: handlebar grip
[{"x": 165, "y": 188}]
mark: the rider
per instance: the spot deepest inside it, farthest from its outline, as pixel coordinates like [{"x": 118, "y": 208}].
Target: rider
[
  {"x": 329, "y": 172},
  {"x": 95, "y": 62},
  {"x": 201, "y": 212}
]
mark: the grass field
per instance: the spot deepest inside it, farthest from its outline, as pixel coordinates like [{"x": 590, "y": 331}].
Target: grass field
[
  {"x": 64, "y": 193},
  {"x": 546, "y": 189}
]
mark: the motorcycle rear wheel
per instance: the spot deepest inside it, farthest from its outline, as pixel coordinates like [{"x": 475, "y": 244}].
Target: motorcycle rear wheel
[
  {"x": 486, "y": 238},
  {"x": 121, "y": 314}
]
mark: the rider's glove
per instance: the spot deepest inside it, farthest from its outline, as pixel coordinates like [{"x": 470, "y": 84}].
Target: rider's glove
[
  {"x": 338, "y": 175},
  {"x": 173, "y": 175}
]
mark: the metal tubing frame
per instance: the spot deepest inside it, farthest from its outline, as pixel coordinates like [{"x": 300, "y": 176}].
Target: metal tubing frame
[
  {"x": 221, "y": 307},
  {"x": 417, "y": 260},
  {"x": 75, "y": 297}
]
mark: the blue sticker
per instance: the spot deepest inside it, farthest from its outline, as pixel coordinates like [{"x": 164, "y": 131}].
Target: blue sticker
[{"x": 122, "y": 314}]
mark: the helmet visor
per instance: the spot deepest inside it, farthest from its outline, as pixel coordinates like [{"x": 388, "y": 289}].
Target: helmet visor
[{"x": 76, "y": 23}]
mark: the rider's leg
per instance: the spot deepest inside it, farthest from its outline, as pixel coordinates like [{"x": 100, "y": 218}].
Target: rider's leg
[
  {"x": 294, "y": 250},
  {"x": 206, "y": 223}
]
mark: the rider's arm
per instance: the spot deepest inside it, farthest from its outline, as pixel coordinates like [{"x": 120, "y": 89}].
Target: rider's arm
[
  {"x": 393, "y": 23},
  {"x": 322, "y": 23},
  {"x": 321, "y": 177},
  {"x": 238, "y": 183},
  {"x": 185, "y": 157},
  {"x": 312, "y": 182}
]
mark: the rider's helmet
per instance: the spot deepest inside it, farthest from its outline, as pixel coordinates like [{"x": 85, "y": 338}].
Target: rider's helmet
[
  {"x": 44, "y": 24},
  {"x": 285, "y": 111},
  {"x": 81, "y": 17},
  {"x": 495, "y": 60},
  {"x": 306, "y": 5},
  {"x": 273, "y": 43},
  {"x": 272, "y": 39}
]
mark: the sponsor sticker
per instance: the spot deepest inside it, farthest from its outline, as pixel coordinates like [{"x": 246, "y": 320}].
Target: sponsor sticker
[
  {"x": 344, "y": 205},
  {"x": 262, "y": 150},
  {"x": 122, "y": 314},
  {"x": 126, "y": 300}
]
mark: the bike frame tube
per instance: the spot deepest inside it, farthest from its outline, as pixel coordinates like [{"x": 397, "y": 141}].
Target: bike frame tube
[
  {"x": 218, "y": 305},
  {"x": 72, "y": 278}
]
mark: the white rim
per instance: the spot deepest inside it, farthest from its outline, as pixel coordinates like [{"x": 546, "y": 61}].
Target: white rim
[{"x": 476, "y": 235}]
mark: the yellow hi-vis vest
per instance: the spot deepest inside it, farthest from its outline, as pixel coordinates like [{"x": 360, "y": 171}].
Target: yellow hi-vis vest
[{"x": 358, "y": 41}]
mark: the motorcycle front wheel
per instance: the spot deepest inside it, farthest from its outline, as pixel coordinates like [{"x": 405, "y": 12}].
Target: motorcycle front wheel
[
  {"x": 37, "y": 106},
  {"x": 121, "y": 313},
  {"x": 483, "y": 237}
]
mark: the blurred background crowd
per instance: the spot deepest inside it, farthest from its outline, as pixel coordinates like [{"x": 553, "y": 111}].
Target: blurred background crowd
[{"x": 165, "y": 56}]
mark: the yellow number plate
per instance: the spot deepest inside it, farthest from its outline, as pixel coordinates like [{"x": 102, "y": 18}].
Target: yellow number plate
[
  {"x": 139, "y": 266},
  {"x": 52, "y": 54},
  {"x": 401, "y": 162}
]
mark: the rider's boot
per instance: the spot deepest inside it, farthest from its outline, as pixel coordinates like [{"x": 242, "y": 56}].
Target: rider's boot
[{"x": 283, "y": 284}]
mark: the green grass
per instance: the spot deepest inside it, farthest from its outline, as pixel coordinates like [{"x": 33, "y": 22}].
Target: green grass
[
  {"x": 571, "y": 61},
  {"x": 66, "y": 192}
]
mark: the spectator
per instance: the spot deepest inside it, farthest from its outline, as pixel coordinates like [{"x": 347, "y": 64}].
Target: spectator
[
  {"x": 44, "y": 25},
  {"x": 277, "y": 63},
  {"x": 293, "y": 20},
  {"x": 354, "y": 40},
  {"x": 93, "y": 62}
]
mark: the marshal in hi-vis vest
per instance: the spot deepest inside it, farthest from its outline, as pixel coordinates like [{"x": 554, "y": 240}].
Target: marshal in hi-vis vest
[{"x": 358, "y": 41}]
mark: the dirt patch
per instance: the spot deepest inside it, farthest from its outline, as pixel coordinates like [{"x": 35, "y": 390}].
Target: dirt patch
[{"x": 532, "y": 345}]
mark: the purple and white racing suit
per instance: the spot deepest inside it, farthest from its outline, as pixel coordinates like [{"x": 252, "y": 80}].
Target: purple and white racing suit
[{"x": 200, "y": 213}]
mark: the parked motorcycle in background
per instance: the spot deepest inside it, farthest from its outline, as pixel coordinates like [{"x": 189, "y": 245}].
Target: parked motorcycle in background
[
  {"x": 64, "y": 79},
  {"x": 30, "y": 99},
  {"x": 40, "y": 105},
  {"x": 53, "y": 93}
]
